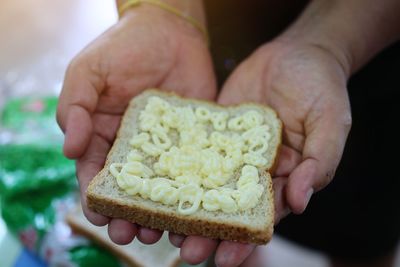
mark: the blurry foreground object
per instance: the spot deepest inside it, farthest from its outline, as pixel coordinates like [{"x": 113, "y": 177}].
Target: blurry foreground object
[
  {"x": 160, "y": 254},
  {"x": 38, "y": 186}
]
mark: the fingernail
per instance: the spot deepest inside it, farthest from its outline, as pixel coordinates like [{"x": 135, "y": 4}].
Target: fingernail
[{"x": 308, "y": 197}]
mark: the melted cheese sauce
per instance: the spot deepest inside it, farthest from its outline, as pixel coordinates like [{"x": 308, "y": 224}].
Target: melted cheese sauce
[{"x": 194, "y": 172}]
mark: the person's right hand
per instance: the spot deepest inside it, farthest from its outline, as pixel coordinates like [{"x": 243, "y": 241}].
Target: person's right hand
[{"x": 147, "y": 48}]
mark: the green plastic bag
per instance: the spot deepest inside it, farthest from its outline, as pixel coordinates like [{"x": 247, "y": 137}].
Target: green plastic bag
[
  {"x": 30, "y": 120},
  {"x": 38, "y": 185},
  {"x": 25, "y": 168},
  {"x": 22, "y": 113},
  {"x": 92, "y": 255}
]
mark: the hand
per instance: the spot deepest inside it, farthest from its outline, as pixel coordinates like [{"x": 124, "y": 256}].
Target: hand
[
  {"x": 147, "y": 48},
  {"x": 306, "y": 85}
]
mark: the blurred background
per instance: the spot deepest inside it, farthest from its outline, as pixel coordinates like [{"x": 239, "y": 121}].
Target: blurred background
[{"x": 37, "y": 40}]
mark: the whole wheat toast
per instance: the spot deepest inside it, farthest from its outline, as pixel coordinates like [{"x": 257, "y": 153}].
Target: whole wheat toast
[{"x": 250, "y": 226}]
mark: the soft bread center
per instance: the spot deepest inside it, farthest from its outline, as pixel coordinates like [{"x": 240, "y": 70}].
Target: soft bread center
[{"x": 196, "y": 158}]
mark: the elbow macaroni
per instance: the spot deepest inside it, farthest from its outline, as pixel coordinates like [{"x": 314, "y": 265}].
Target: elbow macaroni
[{"x": 201, "y": 163}]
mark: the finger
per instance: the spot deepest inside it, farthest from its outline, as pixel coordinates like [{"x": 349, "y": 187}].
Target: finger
[
  {"x": 121, "y": 232},
  {"x": 196, "y": 249},
  {"x": 87, "y": 167},
  {"x": 176, "y": 240},
  {"x": 230, "y": 96},
  {"x": 91, "y": 216},
  {"x": 281, "y": 206},
  {"x": 232, "y": 254},
  {"x": 236, "y": 87},
  {"x": 149, "y": 236},
  {"x": 288, "y": 160},
  {"x": 77, "y": 102},
  {"x": 322, "y": 152},
  {"x": 106, "y": 126},
  {"x": 256, "y": 259},
  {"x": 78, "y": 131}
]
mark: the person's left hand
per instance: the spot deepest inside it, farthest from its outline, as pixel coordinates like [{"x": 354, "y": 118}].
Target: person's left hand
[
  {"x": 146, "y": 48},
  {"x": 306, "y": 85}
]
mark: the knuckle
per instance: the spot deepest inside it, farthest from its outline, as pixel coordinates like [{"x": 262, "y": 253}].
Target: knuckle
[
  {"x": 347, "y": 120},
  {"x": 75, "y": 64}
]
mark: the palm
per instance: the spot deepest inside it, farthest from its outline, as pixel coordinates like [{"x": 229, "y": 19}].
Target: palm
[
  {"x": 129, "y": 66},
  {"x": 307, "y": 89},
  {"x": 128, "y": 61}
]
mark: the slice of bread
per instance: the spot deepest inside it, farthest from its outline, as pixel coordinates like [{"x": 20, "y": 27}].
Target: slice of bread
[
  {"x": 136, "y": 254},
  {"x": 250, "y": 226}
]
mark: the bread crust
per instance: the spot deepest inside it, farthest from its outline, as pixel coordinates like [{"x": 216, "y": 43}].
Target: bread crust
[
  {"x": 177, "y": 223},
  {"x": 180, "y": 224}
]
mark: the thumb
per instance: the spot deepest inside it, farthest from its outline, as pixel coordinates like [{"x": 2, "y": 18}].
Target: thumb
[
  {"x": 77, "y": 102},
  {"x": 242, "y": 86},
  {"x": 322, "y": 152}
]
